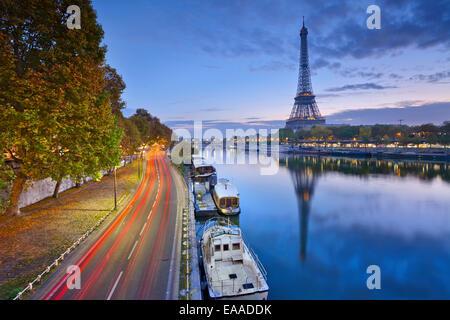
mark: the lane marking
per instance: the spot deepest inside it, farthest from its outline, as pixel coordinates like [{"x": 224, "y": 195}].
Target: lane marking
[
  {"x": 131, "y": 266},
  {"x": 99, "y": 242},
  {"x": 142, "y": 230},
  {"x": 176, "y": 241},
  {"x": 134, "y": 247},
  {"x": 114, "y": 287}
]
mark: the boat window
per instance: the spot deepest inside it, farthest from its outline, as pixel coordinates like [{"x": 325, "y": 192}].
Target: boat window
[
  {"x": 225, "y": 247},
  {"x": 217, "y": 247},
  {"x": 236, "y": 246}
]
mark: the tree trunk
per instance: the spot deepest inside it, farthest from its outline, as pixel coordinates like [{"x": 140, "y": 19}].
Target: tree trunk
[
  {"x": 13, "y": 208},
  {"x": 55, "y": 193}
]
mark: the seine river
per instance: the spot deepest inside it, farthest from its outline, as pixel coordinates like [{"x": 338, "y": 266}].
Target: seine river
[{"x": 319, "y": 222}]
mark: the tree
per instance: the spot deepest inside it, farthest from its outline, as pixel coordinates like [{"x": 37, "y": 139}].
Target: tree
[
  {"x": 346, "y": 132},
  {"x": 320, "y": 132},
  {"x": 131, "y": 140},
  {"x": 88, "y": 137},
  {"x": 432, "y": 139},
  {"x": 416, "y": 140},
  {"x": 39, "y": 35},
  {"x": 429, "y": 128},
  {"x": 143, "y": 127},
  {"x": 26, "y": 122},
  {"x": 286, "y": 133},
  {"x": 40, "y": 55},
  {"x": 365, "y": 133},
  {"x": 444, "y": 137},
  {"x": 379, "y": 130},
  {"x": 114, "y": 86},
  {"x": 303, "y": 134},
  {"x": 155, "y": 132},
  {"x": 403, "y": 140}
]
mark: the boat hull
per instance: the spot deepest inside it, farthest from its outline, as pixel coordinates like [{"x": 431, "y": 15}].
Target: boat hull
[
  {"x": 228, "y": 212},
  {"x": 259, "y": 295}
]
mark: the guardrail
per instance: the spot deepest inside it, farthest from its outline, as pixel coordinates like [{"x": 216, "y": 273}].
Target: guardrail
[
  {"x": 234, "y": 286},
  {"x": 258, "y": 262},
  {"x": 58, "y": 260}
]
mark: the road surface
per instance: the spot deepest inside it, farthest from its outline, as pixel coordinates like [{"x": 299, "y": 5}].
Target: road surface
[{"x": 134, "y": 257}]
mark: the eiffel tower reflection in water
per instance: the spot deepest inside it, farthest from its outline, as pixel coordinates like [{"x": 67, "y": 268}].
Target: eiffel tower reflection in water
[{"x": 304, "y": 176}]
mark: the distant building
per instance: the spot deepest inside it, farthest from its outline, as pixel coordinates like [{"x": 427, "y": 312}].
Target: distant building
[{"x": 305, "y": 113}]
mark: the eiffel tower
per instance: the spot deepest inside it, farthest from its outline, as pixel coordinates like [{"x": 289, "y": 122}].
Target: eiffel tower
[{"x": 305, "y": 113}]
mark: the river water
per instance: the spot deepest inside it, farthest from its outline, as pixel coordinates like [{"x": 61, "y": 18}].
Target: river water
[{"x": 319, "y": 222}]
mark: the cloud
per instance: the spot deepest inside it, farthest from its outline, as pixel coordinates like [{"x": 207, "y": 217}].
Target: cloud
[
  {"x": 414, "y": 115},
  {"x": 395, "y": 76},
  {"x": 327, "y": 95},
  {"x": 274, "y": 66},
  {"x": 212, "y": 109},
  {"x": 337, "y": 28},
  {"x": 321, "y": 63},
  {"x": 355, "y": 72},
  {"x": 435, "y": 77},
  {"x": 360, "y": 86}
]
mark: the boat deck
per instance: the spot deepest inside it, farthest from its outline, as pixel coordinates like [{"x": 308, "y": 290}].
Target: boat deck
[
  {"x": 205, "y": 204},
  {"x": 234, "y": 278}
]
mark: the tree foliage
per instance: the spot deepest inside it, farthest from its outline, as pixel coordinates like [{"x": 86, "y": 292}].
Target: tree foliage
[
  {"x": 321, "y": 132},
  {"x": 114, "y": 87},
  {"x": 150, "y": 128},
  {"x": 56, "y": 118}
]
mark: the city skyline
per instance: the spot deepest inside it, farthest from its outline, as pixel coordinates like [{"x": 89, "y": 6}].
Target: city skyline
[{"x": 237, "y": 61}]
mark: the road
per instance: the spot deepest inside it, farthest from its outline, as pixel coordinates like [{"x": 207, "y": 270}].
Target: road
[{"x": 132, "y": 257}]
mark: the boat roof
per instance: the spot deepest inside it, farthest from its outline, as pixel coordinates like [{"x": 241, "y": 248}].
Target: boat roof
[
  {"x": 198, "y": 163},
  {"x": 226, "y": 189},
  {"x": 215, "y": 229},
  {"x": 197, "y": 157}
]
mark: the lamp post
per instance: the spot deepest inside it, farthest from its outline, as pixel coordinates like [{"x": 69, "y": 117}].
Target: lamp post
[
  {"x": 115, "y": 189},
  {"x": 139, "y": 166}
]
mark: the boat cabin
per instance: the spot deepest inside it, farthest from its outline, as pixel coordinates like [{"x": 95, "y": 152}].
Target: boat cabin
[
  {"x": 203, "y": 172},
  {"x": 226, "y": 197},
  {"x": 226, "y": 247}
]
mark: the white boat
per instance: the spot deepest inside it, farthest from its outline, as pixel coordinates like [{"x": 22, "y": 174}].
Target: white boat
[
  {"x": 226, "y": 197},
  {"x": 204, "y": 172},
  {"x": 232, "y": 270}
]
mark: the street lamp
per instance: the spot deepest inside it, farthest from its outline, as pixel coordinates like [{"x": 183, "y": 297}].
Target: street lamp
[{"x": 115, "y": 188}]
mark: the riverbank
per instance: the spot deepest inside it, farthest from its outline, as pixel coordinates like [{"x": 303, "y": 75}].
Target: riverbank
[
  {"x": 33, "y": 240},
  {"x": 429, "y": 154},
  {"x": 189, "y": 280}
]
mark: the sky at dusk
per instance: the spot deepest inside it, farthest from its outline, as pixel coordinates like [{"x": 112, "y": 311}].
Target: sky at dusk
[{"x": 237, "y": 61}]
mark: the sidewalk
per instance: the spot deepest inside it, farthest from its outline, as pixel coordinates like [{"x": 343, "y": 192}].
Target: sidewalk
[
  {"x": 31, "y": 241},
  {"x": 190, "y": 282}
]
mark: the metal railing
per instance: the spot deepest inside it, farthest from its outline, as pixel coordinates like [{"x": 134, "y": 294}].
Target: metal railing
[
  {"x": 258, "y": 263},
  {"x": 231, "y": 284}
]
